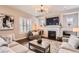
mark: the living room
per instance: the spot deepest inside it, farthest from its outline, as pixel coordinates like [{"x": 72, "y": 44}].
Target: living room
[{"x": 39, "y": 28}]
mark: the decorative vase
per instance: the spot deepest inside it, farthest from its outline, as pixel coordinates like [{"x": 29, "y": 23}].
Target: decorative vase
[{"x": 39, "y": 41}]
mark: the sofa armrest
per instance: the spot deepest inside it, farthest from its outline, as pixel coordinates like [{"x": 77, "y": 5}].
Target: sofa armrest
[
  {"x": 5, "y": 49},
  {"x": 12, "y": 44},
  {"x": 66, "y": 46},
  {"x": 71, "y": 49}
]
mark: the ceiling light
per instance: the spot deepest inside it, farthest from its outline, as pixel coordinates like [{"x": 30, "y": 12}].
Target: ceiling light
[{"x": 42, "y": 9}]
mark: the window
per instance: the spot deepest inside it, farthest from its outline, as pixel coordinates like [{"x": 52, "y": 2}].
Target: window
[
  {"x": 71, "y": 20},
  {"x": 29, "y": 25},
  {"x": 23, "y": 25}
]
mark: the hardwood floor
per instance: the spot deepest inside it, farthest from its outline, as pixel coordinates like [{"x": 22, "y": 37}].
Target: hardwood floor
[{"x": 23, "y": 41}]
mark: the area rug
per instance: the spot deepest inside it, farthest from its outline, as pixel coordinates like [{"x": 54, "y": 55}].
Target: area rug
[{"x": 54, "y": 45}]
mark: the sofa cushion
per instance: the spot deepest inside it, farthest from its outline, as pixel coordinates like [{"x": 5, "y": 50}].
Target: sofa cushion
[
  {"x": 13, "y": 44},
  {"x": 67, "y": 48},
  {"x": 71, "y": 49},
  {"x": 9, "y": 38},
  {"x": 65, "y": 44},
  {"x": 73, "y": 41},
  {"x": 2, "y": 42},
  {"x": 65, "y": 51},
  {"x": 5, "y": 49},
  {"x": 19, "y": 49},
  {"x": 35, "y": 33}
]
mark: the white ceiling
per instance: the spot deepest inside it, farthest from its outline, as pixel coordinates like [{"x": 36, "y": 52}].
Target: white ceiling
[{"x": 52, "y": 9}]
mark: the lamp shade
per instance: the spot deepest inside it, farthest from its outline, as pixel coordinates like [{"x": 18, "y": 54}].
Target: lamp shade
[
  {"x": 35, "y": 26},
  {"x": 75, "y": 29}
]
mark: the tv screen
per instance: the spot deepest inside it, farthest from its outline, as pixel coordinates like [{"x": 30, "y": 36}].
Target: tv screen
[{"x": 52, "y": 21}]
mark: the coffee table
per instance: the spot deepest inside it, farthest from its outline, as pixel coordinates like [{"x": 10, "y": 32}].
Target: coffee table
[{"x": 43, "y": 47}]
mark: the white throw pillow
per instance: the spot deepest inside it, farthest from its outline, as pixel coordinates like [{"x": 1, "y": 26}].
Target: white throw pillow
[
  {"x": 73, "y": 41},
  {"x": 35, "y": 33},
  {"x": 9, "y": 38},
  {"x": 2, "y": 42},
  {"x": 13, "y": 37}
]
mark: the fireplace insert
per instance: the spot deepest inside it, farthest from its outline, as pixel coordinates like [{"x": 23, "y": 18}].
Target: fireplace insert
[{"x": 52, "y": 35}]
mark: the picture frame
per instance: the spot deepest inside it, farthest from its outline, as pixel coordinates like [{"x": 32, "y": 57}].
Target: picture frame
[{"x": 6, "y": 22}]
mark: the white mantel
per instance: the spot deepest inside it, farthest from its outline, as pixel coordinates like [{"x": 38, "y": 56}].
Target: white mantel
[
  {"x": 59, "y": 31},
  {"x": 54, "y": 28}
]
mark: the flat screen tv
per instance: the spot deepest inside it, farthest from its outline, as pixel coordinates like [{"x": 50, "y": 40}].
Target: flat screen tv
[{"x": 52, "y": 21}]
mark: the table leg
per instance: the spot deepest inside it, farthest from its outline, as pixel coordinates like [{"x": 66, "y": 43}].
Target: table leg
[
  {"x": 29, "y": 45},
  {"x": 49, "y": 48},
  {"x": 44, "y": 50}
]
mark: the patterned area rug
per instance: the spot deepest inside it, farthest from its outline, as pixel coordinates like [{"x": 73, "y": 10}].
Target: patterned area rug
[{"x": 54, "y": 45}]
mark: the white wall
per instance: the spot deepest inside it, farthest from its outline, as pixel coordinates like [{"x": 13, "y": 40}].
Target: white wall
[{"x": 16, "y": 14}]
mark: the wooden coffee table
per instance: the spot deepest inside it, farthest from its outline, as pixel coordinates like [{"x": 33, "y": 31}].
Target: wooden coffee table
[{"x": 43, "y": 47}]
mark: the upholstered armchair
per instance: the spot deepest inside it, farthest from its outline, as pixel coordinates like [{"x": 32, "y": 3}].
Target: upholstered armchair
[{"x": 33, "y": 35}]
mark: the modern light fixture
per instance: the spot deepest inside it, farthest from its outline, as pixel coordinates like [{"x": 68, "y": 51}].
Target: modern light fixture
[{"x": 42, "y": 9}]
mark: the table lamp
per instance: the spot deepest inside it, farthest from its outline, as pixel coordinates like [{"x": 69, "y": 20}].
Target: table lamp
[{"x": 76, "y": 30}]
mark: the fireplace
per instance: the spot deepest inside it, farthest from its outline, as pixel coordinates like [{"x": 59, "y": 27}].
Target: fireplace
[{"x": 52, "y": 35}]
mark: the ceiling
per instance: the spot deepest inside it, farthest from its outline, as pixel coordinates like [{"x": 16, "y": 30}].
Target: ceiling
[{"x": 52, "y": 9}]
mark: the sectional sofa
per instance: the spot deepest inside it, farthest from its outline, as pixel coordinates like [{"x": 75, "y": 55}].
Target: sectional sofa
[{"x": 8, "y": 45}]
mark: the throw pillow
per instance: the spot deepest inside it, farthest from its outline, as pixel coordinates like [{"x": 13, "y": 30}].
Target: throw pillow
[
  {"x": 3, "y": 43},
  {"x": 73, "y": 41},
  {"x": 9, "y": 38}
]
